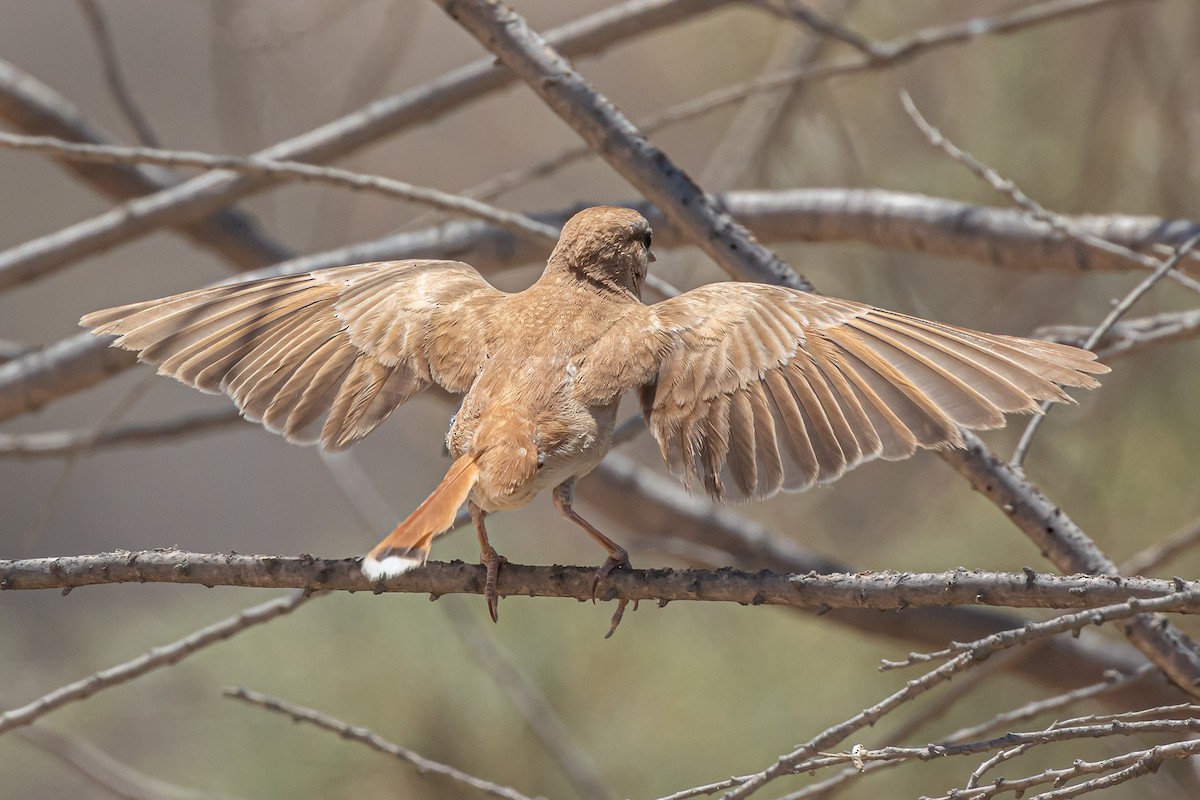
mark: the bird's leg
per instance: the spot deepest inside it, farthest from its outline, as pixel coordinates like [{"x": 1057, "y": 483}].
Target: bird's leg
[
  {"x": 617, "y": 557},
  {"x": 490, "y": 559}
]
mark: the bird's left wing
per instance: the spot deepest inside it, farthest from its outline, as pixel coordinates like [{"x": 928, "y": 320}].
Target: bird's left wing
[
  {"x": 324, "y": 356},
  {"x": 755, "y": 388}
]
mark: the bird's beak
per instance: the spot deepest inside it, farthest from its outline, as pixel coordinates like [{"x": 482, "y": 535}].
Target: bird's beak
[{"x": 650, "y": 257}]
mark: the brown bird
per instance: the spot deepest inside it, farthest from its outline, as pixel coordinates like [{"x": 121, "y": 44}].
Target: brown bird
[{"x": 748, "y": 388}]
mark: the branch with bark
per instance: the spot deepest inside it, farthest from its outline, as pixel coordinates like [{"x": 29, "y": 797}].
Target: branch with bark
[{"x": 881, "y": 590}]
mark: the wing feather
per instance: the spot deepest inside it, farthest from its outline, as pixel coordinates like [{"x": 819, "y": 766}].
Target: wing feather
[
  {"x": 325, "y": 356},
  {"x": 756, "y": 388}
]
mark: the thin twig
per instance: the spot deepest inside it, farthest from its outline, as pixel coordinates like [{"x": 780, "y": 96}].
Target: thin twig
[
  {"x": 57, "y": 444},
  {"x": 28, "y": 105},
  {"x": 19, "y": 271},
  {"x": 1136, "y": 761},
  {"x": 1158, "y": 554},
  {"x": 792, "y": 9},
  {"x": 885, "y": 54},
  {"x": 531, "y": 703},
  {"x": 1009, "y": 189},
  {"x": 1118, "y": 310},
  {"x": 355, "y": 733},
  {"x": 802, "y": 758},
  {"x": 1130, "y": 335},
  {"x": 98, "y": 25},
  {"x": 157, "y": 658},
  {"x": 1003, "y": 721},
  {"x": 107, "y": 772}
]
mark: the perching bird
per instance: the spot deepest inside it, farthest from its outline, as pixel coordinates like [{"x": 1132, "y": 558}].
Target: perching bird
[{"x": 748, "y": 388}]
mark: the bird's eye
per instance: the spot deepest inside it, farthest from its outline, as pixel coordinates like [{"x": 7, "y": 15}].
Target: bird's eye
[{"x": 646, "y": 238}]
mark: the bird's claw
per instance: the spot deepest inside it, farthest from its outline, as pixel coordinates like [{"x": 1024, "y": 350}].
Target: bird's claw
[
  {"x": 615, "y": 561},
  {"x": 491, "y": 561}
]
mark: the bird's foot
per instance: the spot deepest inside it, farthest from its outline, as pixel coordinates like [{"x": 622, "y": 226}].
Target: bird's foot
[
  {"x": 491, "y": 561},
  {"x": 619, "y": 559}
]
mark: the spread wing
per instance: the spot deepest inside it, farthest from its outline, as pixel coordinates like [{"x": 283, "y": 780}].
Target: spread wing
[
  {"x": 760, "y": 388},
  {"x": 322, "y": 356}
]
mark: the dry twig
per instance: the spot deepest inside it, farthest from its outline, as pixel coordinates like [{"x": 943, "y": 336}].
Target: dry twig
[
  {"x": 157, "y": 658},
  {"x": 356, "y": 733}
]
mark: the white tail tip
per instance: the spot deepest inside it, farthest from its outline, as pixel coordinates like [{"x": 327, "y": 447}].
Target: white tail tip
[{"x": 390, "y": 567}]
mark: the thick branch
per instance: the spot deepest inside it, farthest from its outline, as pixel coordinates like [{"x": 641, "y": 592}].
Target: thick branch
[
  {"x": 883, "y": 590},
  {"x": 1071, "y": 550}
]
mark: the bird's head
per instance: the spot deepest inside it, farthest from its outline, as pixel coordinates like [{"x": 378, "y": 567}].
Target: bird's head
[{"x": 607, "y": 246}]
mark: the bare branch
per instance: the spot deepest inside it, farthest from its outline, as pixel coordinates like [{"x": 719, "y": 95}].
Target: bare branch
[
  {"x": 60, "y": 444},
  {"x": 107, "y": 772},
  {"x": 1003, "y": 721},
  {"x": 1035, "y": 209},
  {"x": 879, "y": 590},
  {"x": 886, "y": 54},
  {"x": 372, "y": 740},
  {"x": 157, "y": 658},
  {"x": 1136, "y": 764},
  {"x": 1131, "y": 335},
  {"x": 1118, "y": 310},
  {"x": 1071, "y": 550},
  {"x": 98, "y": 25},
  {"x": 282, "y": 170},
  {"x": 34, "y": 108},
  {"x": 806, "y": 756},
  {"x": 529, "y": 701},
  {"x": 608, "y": 132}
]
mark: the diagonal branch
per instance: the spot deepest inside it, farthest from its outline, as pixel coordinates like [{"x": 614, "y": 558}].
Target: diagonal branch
[
  {"x": 157, "y": 658},
  {"x": 30, "y": 106},
  {"x": 1070, "y": 550},
  {"x": 113, "y": 75},
  {"x": 614, "y": 137},
  {"x": 372, "y": 740}
]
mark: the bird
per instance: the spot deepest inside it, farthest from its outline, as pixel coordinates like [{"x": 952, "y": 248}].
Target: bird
[{"x": 748, "y": 388}]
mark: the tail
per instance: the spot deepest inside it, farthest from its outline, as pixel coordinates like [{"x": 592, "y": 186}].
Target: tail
[{"x": 408, "y": 545}]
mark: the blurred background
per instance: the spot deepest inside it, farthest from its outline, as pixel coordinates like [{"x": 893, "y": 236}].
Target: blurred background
[{"x": 1097, "y": 113}]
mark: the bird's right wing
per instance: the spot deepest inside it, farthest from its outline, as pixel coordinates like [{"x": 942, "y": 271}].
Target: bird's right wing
[
  {"x": 324, "y": 356},
  {"x": 755, "y": 388}
]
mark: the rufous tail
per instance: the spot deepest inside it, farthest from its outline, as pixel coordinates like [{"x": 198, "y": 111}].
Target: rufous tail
[{"x": 408, "y": 545}]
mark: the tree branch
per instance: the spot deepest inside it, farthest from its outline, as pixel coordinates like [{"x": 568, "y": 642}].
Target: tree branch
[
  {"x": 34, "y": 108},
  {"x": 1071, "y": 550},
  {"x": 372, "y": 740},
  {"x": 611, "y": 134},
  {"x": 157, "y": 658},
  {"x": 882, "y": 590}
]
